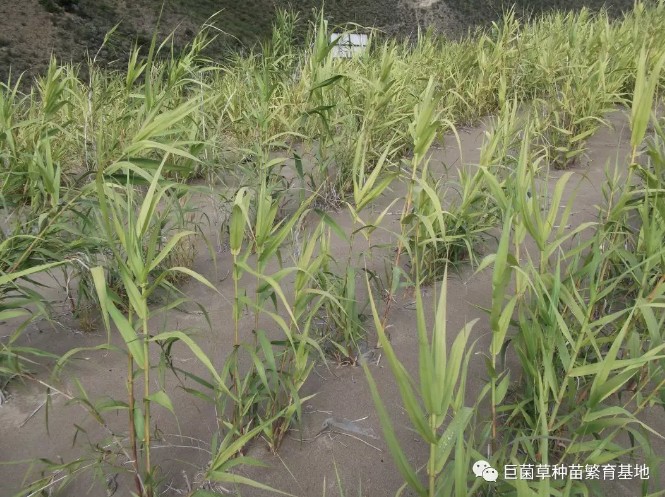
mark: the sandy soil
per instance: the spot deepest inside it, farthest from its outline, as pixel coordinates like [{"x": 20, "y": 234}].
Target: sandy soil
[{"x": 309, "y": 461}]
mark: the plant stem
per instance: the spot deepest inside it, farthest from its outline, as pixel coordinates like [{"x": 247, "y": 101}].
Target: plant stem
[
  {"x": 235, "y": 373},
  {"x": 146, "y": 400},
  {"x": 431, "y": 464},
  {"x": 132, "y": 429},
  {"x": 235, "y": 301},
  {"x": 400, "y": 245}
]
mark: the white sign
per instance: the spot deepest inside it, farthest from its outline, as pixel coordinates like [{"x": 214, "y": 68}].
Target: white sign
[{"x": 348, "y": 44}]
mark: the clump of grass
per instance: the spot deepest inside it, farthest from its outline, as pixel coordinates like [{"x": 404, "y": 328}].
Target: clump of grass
[
  {"x": 574, "y": 111},
  {"x": 454, "y": 233},
  {"x": 438, "y": 397},
  {"x": 267, "y": 394},
  {"x": 343, "y": 315}
]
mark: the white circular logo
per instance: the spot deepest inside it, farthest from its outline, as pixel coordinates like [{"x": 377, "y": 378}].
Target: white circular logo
[{"x": 483, "y": 469}]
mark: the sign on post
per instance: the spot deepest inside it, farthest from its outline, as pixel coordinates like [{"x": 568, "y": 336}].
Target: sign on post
[{"x": 348, "y": 44}]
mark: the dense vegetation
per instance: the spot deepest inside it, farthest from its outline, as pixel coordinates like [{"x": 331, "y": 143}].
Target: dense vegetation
[
  {"x": 97, "y": 182},
  {"x": 77, "y": 27}
]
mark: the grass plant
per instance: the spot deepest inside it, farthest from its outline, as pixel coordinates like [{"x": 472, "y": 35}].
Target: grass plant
[{"x": 438, "y": 398}]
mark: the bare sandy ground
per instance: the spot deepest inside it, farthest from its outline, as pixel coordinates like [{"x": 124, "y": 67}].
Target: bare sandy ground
[{"x": 310, "y": 461}]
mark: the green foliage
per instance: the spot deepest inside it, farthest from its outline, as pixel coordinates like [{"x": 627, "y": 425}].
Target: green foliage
[
  {"x": 343, "y": 314},
  {"x": 453, "y": 233},
  {"x": 442, "y": 388},
  {"x": 99, "y": 172}
]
